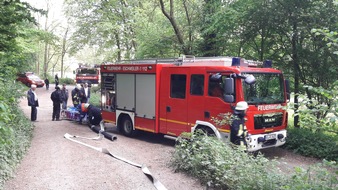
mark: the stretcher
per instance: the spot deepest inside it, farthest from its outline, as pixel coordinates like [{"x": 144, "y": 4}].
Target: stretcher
[{"x": 73, "y": 114}]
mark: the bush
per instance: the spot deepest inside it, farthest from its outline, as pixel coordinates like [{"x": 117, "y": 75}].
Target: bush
[
  {"x": 95, "y": 98},
  {"x": 66, "y": 81},
  {"x": 315, "y": 177},
  {"x": 15, "y": 129},
  {"x": 219, "y": 165},
  {"x": 311, "y": 143},
  {"x": 224, "y": 167},
  {"x": 96, "y": 89}
]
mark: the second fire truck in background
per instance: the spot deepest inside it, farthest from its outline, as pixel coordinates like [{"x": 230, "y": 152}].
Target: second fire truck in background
[{"x": 90, "y": 75}]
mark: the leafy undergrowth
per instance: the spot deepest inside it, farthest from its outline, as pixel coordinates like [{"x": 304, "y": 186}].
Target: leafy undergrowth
[
  {"x": 14, "y": 144},
  {"x": 221, "y": 166},
  {"x": 15, "y": 129},
  {"x": 311, "y": 143}
]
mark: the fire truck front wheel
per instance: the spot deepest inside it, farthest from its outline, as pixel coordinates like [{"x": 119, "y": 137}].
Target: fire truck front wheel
[
  {"x": 206, "y": 130},
  {"x": 127, "y": 126}
]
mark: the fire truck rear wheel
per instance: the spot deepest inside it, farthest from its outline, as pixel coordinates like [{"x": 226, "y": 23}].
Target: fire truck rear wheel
[{"x": 127, "y": 127}]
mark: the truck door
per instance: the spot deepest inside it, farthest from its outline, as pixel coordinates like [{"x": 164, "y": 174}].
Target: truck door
[
  {"x": 196, "y": 99},
  {"x": 173, "y": 101}
]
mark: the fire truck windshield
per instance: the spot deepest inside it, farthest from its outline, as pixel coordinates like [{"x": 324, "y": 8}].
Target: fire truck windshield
[
  {"x": 86, "y": 71},
  {"x": 268, "y": 89}
]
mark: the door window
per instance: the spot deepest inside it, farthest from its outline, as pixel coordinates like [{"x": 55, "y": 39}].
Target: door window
[
  {"x": 178, "y": 86},
  {"x": 197, "y": 85}
]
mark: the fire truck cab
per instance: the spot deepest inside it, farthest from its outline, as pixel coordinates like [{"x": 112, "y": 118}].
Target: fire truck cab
[
  {"x": 183, "y": 95},
  {"x": 90, "y": 75}
]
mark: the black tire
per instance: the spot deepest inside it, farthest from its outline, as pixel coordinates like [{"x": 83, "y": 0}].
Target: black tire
[{"x": 127, "y": 126}]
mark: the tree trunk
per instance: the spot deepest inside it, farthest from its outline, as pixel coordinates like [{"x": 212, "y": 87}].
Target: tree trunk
[
  {"x": 173, "y": 22},
  {"x": 118, "y": 46},
  {"x": 63, "y": 53},
  {"x": 296, "y": 73}
]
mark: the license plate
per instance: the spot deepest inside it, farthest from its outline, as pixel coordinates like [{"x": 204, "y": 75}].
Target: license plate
[{"x": 270, "y": 136}]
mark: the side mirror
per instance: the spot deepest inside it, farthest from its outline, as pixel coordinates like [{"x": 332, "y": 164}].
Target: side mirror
[{"x": 229, "y": 90}]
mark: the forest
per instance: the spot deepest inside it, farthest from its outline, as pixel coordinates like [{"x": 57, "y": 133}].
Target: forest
[{"x": 299, "y": 36}]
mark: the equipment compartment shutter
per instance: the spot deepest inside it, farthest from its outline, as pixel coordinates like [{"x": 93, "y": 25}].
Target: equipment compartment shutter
[
  {"x": 145, "y": 96},
  {"x": 125, "y": 91}
]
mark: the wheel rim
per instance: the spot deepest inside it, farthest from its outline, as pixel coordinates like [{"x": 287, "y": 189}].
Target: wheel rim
[{"x": 127, "y": 126}]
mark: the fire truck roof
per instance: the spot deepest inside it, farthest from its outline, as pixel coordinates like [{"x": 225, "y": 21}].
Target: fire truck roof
[{"x": 198, "y": 61}]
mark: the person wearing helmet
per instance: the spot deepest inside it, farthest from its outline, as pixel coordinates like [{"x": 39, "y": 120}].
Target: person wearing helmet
[
  {"x": 238, "y": 129},
  {"x": 76, "y": 95},
  {"x": 82, "y": 108}
]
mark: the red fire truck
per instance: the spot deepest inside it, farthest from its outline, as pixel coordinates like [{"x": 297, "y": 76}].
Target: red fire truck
[
  {"x": 179, "y": 95},
  {"x": 90, "y": 75}
]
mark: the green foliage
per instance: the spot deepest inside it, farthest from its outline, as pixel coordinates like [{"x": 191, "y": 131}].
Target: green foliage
[
  {"x": 15, "y": 142},
  {"x": 95, "y": 98},
  {"x": 315, "y": 177},
  {"x": 96, "y": 89},
  {"x": 66, "y": 81},
  {"x": 320, "y": 111},
  {"x": 331, "y": 37},
  {"x": 318, "y": 133},
  {"x": 224, "y": 167},
  {"x": 15, "y": 129},
  {"x": 311, "y": 143},
  {"x": 15, "y": 56}
]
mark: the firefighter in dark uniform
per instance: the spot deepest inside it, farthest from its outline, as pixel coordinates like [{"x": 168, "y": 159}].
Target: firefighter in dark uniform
[
  {"x": 94, "y": 114},
  {"x": 238, "y": 130},
  {"x": 56, "y": 98}
]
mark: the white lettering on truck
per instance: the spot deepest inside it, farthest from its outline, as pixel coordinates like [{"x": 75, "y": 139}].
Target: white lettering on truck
[{"x": 269, "y": 107}]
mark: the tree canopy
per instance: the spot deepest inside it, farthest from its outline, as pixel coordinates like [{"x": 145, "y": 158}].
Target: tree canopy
[{"x": 299, "y": 36}]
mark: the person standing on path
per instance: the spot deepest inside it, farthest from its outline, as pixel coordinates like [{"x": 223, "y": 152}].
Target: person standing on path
[
  {"x": 76, "y": 95},
  {"x": 47, "y": 83},
  {"x": 56, "y": 98},
  {"x": 64, "y": 96},
  {"x": 56, "y": 80},
  {"x": 87, "y": 92},
  {"x": 33, "y": 102},
  {"x": 82, "y": 94}
]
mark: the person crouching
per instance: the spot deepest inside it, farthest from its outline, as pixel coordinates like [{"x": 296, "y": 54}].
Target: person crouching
[{"x": 94, "y": 115}]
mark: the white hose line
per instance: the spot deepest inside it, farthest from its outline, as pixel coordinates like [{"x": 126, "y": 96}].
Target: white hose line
[
  {"x": 158, "y": 185},
  {"x": 99, "y": 137}
]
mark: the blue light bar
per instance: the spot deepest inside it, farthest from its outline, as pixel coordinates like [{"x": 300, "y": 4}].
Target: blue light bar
[
  {"x": 236, "y": 61},
  {"x": 267, "y": 64}
]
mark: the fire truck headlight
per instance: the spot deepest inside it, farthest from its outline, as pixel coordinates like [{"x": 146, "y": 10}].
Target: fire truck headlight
[{"x": 103, "y": 99}]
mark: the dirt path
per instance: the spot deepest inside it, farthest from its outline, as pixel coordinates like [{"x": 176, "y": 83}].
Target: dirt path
[{"x": 54, "y": 162}]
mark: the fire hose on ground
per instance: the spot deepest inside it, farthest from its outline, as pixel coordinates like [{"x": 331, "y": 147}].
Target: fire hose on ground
[
  {"x": 158, "y": 185},
  {"x": 100, "y": 130}
]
